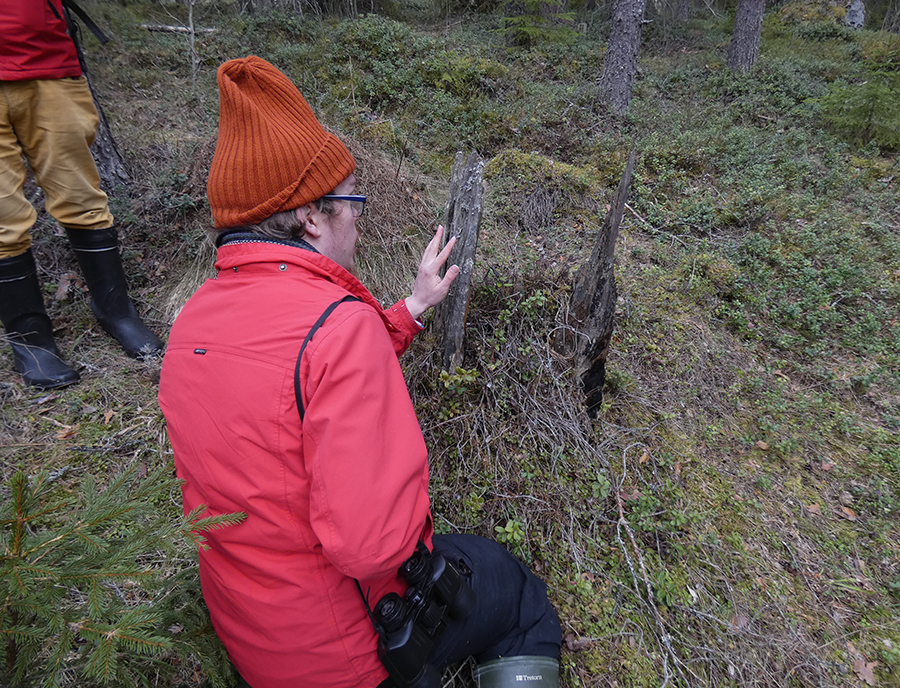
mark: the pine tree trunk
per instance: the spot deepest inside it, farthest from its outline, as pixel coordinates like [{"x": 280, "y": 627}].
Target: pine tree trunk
[
  {"x": 744, "y": 49},
  {"x": 109, "y": 161},
  {"x": 620, "y": 66}
]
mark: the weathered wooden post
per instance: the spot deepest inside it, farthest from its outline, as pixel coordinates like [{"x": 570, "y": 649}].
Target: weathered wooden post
[
  {"x": 593, "y": 304},
  {"x": 462, "y": 219}
]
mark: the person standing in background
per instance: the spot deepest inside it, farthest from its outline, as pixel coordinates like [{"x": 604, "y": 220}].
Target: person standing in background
[{"x": 48, "y": 116}]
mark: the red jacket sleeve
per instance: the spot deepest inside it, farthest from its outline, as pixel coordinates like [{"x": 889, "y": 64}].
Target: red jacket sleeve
[
  {"x": 362, "y": 446},
  {"x": 405, "y": 327}
]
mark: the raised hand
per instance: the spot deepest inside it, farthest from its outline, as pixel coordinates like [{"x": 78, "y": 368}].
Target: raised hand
[{"x": 430, "y": 288}]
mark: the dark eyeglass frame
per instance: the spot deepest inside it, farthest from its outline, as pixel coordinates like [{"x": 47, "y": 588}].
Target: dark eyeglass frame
[{"x": 357, "y": 203}]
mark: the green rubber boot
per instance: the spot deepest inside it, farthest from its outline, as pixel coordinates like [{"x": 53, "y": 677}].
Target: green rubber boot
[{"x": 518, "y": 672}]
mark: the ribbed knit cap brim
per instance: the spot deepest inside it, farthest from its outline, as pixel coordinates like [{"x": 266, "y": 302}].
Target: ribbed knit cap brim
[{"x": 272, "y": 154}]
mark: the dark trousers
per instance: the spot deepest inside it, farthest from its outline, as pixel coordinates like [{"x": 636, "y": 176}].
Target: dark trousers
[{"x": 512, "y": 615}]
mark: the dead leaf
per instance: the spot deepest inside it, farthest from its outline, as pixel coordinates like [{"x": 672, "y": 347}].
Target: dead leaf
[
  {"x": 848, "y": 513},
  {"x": 644, "y": 458},
  {"x": 108, "y": 416},
  {"x": 575, "y": 644},
  {"x": 738, "y": 622},
  {"x": 827, "y": 465},
  {"x": 864, "y": 669},
  {"x": 762, "y": 445},
  {"x": 67, "y": 432},
  {"x": 677, "y": 469},
  {"x": 814, "y": 509},
  {"x": 64, "y": 283}
]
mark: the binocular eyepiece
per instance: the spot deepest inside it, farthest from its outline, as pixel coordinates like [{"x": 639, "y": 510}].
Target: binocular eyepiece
[{"x": 410, "y": 624}]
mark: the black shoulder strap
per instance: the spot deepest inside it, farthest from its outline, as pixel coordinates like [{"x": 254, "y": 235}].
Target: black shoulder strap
[
  {"x": 83, "y": 16},
  {"x": 322, "y": 318},
  {"x": 300, "y": 410}
]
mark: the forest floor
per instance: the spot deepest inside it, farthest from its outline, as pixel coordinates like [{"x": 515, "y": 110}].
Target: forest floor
[{"x": 732, "y": 516}]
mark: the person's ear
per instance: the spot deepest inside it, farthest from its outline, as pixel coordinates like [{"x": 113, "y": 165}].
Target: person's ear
[{"x": 308, "y": 218}]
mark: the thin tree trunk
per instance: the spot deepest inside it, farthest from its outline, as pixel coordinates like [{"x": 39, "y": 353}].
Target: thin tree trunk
[
  {"x": 195, "y": 62},
  {"x": 892, "y": 18},
  {"x": 621, "y": 61},
  {"x": 744, "y": 48}
]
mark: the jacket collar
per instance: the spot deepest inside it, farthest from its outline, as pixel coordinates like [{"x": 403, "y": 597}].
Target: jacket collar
[
  {"x": 239, "y": 236},
  {"x": 244, "y": 248}
]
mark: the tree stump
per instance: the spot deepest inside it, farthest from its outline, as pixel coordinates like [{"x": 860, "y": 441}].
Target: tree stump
[
  {"x": 462, "y": 219},
  {"x": 592, "y": 308}
]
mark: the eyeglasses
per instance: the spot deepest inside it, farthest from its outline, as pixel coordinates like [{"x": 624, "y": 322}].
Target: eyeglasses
[{"x": 357, "y": 203}]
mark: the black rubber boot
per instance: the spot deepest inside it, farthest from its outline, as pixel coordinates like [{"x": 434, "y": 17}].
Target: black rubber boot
[
  {"x": 97, "y": 251},
  {"x": 518, "y": 672},
  {"x": 28, "y": 327}
]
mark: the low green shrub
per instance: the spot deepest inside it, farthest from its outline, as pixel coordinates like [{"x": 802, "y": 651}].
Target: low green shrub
[
  {"x": 823, "y": 31},
  {"x": 540, "y": 21},
  {"x": 866, "y": 112},
  {"x": 100, "y": 586}
]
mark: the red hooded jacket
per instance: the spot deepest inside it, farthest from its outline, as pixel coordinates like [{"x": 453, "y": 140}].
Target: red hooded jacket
[
  {"x": 343, "y": 495},
  {"x": 34, "y": 42}
]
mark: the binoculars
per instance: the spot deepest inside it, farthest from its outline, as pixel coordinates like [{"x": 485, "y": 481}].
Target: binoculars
[{"x": 410, "y": 624}]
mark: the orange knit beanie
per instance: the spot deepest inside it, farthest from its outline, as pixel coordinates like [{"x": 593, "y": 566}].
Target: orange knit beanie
[{"x": 272, "y": 153}]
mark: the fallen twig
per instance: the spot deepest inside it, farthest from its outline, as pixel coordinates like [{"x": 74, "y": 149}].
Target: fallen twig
[{"x": 166, "y": 28}]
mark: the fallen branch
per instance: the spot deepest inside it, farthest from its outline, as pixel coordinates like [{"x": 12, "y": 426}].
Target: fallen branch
[
  {"x": 165, "y": 28},
  {"x": 656, "y": 230}
]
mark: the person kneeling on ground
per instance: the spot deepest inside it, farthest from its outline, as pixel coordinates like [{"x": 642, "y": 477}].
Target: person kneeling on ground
[{"x": 285, "y": 400}]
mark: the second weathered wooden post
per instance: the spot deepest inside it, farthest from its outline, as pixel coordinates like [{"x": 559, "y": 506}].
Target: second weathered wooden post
[
  {"x": 593, "y": 305},
  {"x": 462, "y": 219}
]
